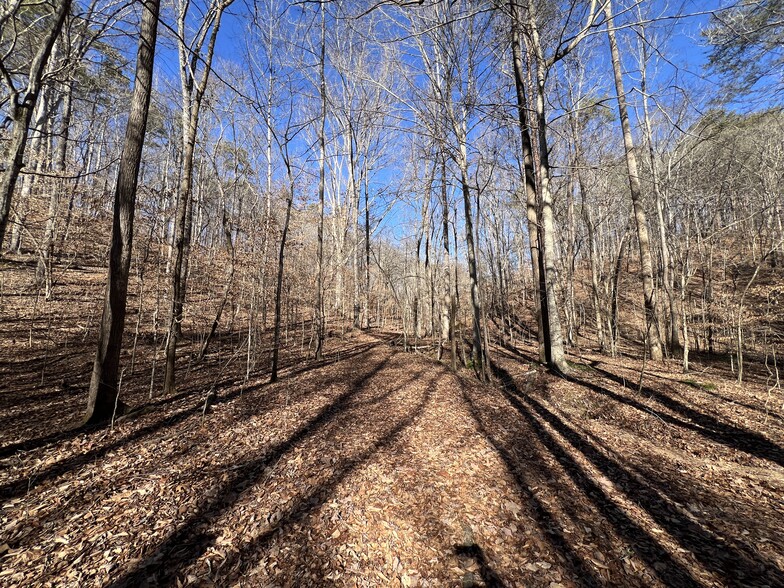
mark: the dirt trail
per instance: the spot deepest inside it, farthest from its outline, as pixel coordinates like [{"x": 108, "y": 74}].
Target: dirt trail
[{"x": 379, "y": 468}]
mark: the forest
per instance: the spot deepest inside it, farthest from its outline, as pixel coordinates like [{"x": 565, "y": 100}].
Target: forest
[{"x": 410, "y": 293}]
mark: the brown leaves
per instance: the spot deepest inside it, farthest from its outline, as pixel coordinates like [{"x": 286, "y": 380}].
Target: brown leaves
[{"x": 386, "y": 470}]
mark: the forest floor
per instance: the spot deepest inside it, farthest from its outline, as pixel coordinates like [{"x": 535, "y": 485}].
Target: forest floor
[{"x": 377, "y": 467}]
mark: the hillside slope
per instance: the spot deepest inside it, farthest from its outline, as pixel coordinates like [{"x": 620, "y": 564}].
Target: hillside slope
[{"x": 376, "y": 467}]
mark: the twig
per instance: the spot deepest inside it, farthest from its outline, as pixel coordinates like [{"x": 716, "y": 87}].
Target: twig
[{"x": 117, "y": 398}]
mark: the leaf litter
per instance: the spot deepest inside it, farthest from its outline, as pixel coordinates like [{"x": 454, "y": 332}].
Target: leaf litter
[{"x": 382, "y": 468}]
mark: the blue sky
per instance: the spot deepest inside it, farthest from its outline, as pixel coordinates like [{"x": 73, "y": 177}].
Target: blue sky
[{"x": 683, "y": 49}]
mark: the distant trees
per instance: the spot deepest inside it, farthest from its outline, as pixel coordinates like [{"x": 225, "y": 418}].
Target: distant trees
[
  {"x": 453, "y": 53},
  {"x": 451, "y": 170},
  {"x": 36, "y": 26},
  {"x": 81, "y": 36},
  {"x": 725, "y": 182}
]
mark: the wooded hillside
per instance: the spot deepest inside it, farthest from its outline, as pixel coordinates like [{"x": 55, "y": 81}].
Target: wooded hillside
[{"x": 391, "y": 293}]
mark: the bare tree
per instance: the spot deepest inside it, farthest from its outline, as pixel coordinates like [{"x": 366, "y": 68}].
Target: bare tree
[
  {"x": 195, "y": 70},
  {"x": 102, "y": 400},
  {"x": 22, "y": 97},
  {"x": 635, "y": 188},
  {"x": 322, "y": 84},
  {"x": 554, "y": 351},
  {"x": 531, "y": 192}
]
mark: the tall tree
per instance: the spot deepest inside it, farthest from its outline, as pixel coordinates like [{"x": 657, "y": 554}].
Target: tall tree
[
  {"x": 195, "y": 66},
  {"x": 102, "y": 398},
  {"x": 531, "y": 193},
  {"x": 281, "y": 260},
  {"x": 635, "y": 189},
  {"x": 452, "y": 48},
  {"x": 288, "y": 129},
  {"x": 671, "y": 338},
  {"x": 548, "y": 270},
  {"x": 322, "y": 84}
]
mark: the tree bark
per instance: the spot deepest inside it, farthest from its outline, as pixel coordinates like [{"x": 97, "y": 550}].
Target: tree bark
[
  {"x": 367, "y": 250},
  {"x": 473, "y": 274},
  {"x": 635, "y": 188},
  {"x": 102, "y": 397},
  {"x": 320, "y": 330},
  {"x": 228, "y": 281},
  {"x": 531, "y": 196},
  {"x": 354, "y": 191},
  {"x": 554, "y": 350},
  {"x": 593, "y": 254},
  {"x": 614, "y": 293},
  {"x": 448, "y": 308},
  {"x": 279, "y": 286},
  {"x": 585, "y": 209}
]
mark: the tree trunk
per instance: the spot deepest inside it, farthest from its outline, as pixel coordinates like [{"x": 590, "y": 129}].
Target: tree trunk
[
  {"x": 424, "y": 228},
  {"x": 181, "y": 249},
  {"x": 593, "y": 251},
  {"x": 367, "y": 250},
  {"x": 44, "y": 268},
  {"x": 614, "y": 293},
  {"x": 279, "y": 286},
  {"x": 554, "y": 350},
  {"x": 354, "y": 191},
  {"x": 228, "y": 281},
  {"x": 594, "y": 261},
  {"x": 571, "y": 313},
  {"x": 35, "y": 158},
  {"x": 648, "y": 287},
  {"x": 192, "y": 95},
  {"x": 529, "y": 177},
  {"x": 102, "y": 397},
  {"x": 448, "y": 300},
  {"x": 673, "y": 340},
  {"x": 478, "y": 355},
  {"x": 320, "y": 330},
  {"x": 265, "y": 236}
]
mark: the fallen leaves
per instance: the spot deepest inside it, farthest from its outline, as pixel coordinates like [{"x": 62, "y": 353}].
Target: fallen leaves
[{"x": 384, "y": 469}]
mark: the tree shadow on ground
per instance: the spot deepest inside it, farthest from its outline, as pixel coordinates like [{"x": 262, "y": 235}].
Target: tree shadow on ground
[
  {"x": 68, "y": 404},
  {"x": 724, "y": 363},
  {"x": 589, "y": 479},
  {"x": 474, "y": 554},
  {"x": 21, "y": 486},
  {"x": 526, "y": 467},
  {"x": 340, "y": 421},
  {"x": 518, "y": 324},
  {"x": 249, "y": 550},
  {"x": 707, "y": 389},
  {"x": 356, "y": 404},
  {"x": 132, "y": 442},
  {"x": 687, "y": 417}
]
